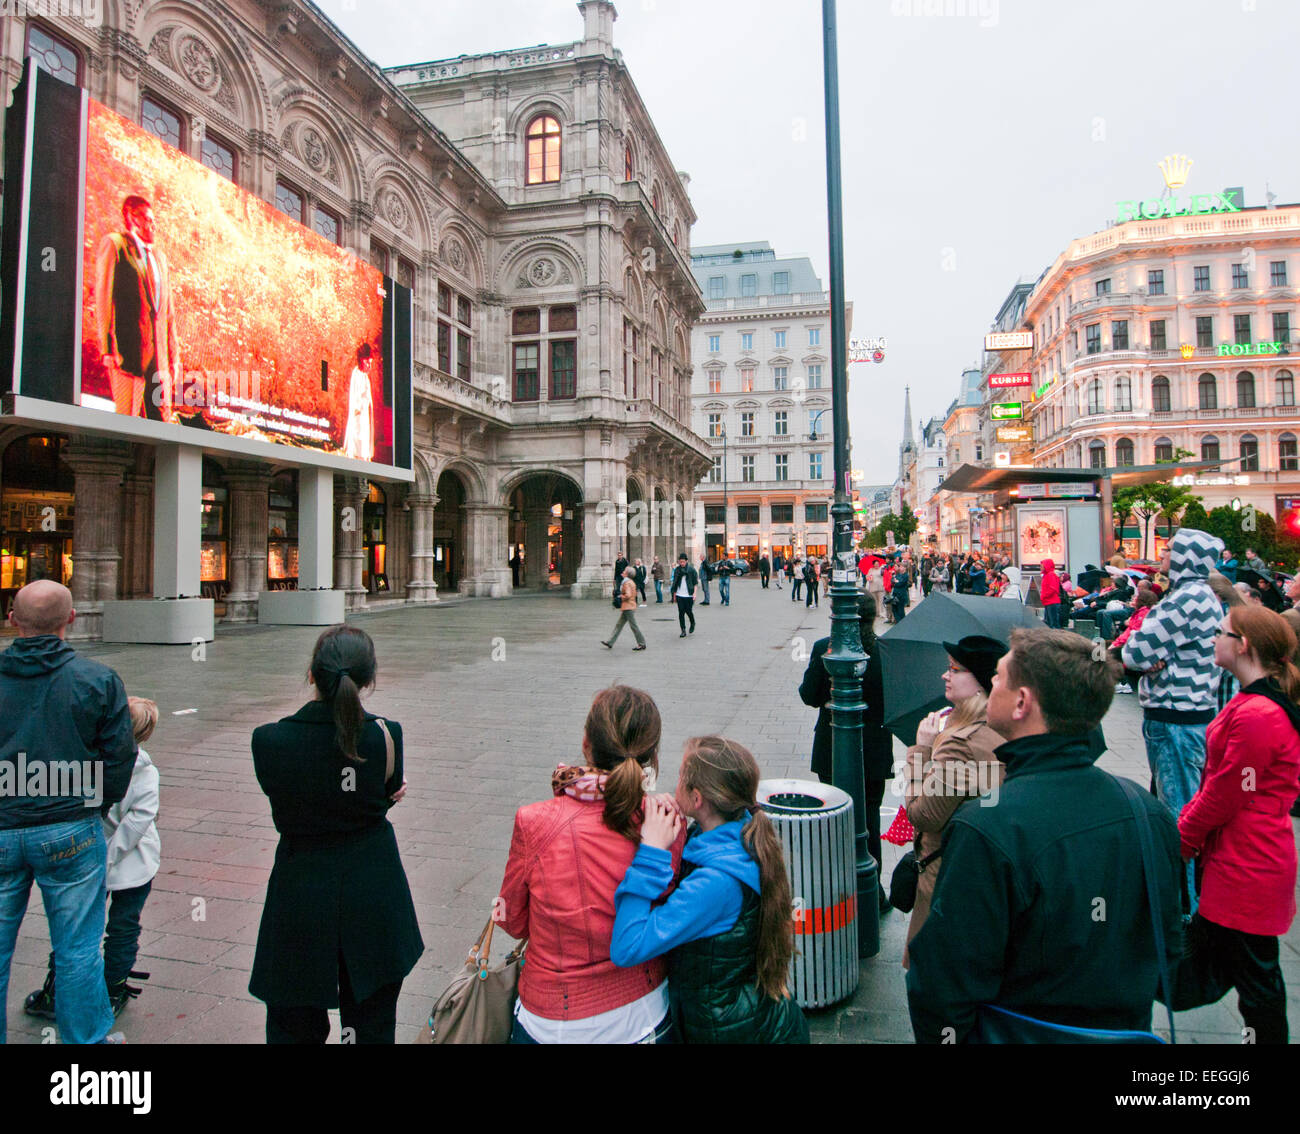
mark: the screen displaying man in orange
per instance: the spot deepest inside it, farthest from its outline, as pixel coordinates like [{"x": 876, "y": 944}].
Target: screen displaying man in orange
[{"x": 135, "y": 319}]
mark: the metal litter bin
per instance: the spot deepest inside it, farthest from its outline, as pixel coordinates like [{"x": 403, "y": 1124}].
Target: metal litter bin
[{"x": 815, "y": 824}]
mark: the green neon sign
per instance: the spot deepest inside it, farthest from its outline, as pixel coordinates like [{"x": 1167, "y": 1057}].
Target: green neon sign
[
  {"x": 1154, "y": 208},
  {"x": 1002, "y": 411},
  {"x": 1253, "y": 348}
]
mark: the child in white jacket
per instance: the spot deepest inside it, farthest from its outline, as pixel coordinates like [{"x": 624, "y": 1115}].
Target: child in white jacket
[{"x": 134, "y": 851}]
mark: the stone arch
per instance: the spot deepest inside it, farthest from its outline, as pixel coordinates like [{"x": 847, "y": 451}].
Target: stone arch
[
  {"x": 633, "y": 292},
  {"x": 471, "y": 476},
  {"x": 425, "y": 480},
  {"x": 235, "y": 83},
  {"x": 462, "y": 252},
  {"x": 514, "y": 479},
  {"x": 530, "y": 108},
  {"x": 399, "y": 205},
  {"x": 659, "y": 324},
  {"x": 545, "y": 522},
  {"x": 315, "y": 145},
  {"x": 680, "y": 349},
  {"x": 519, "y": 265}
]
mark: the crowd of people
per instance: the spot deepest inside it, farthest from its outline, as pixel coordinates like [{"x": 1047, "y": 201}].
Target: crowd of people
[{"x": 670, "y": 918}]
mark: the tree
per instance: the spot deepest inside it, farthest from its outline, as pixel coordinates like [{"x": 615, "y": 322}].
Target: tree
[
  {"x": 1123, "y": 505},
  {"x": 901, "y": 525},
  {"x": 1195, "y": 516},
  {"x": 1168, "y": 500},
  {"x": 907, "y": 524}
]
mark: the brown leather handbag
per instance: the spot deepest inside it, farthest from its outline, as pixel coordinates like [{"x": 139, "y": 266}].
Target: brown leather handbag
[{"x": 478, "y": 1006}]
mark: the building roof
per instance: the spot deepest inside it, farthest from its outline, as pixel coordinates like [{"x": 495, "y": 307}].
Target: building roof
[{"x": 756, "y": 259}]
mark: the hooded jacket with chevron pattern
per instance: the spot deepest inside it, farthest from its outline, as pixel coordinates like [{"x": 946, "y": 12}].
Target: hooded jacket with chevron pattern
[{"x": 1179, "y": 631}]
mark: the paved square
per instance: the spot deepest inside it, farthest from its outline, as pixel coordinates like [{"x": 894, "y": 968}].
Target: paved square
[{"x": 490, "y": 695}]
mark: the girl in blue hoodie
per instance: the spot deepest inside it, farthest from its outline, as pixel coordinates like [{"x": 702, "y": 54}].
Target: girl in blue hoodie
[{"x": 727, "y": 926}]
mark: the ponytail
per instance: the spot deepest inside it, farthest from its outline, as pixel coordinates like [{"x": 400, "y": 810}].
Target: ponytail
[
  {"x": 347, "y": 716},
  {"x": 624, "y": 798},
  {"x": 622, "y": 731},
  {"x": 343, "y": 664},
  {"x": 775, "y": 925},
  {"x": 1288, "y": 676}
]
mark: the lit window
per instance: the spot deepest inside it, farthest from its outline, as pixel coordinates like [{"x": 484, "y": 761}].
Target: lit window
[
  {"x": 628, "y": 169},
  {"x": 715, "y": 425},
  {"x": 715, "y": 381},
  {"x": 543, "y": 143},
  {"x": 746, "y": 379}
]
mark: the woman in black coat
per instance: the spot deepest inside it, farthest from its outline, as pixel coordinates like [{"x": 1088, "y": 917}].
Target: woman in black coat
[
  {"x": 338, "y": 928},
  {"x": 877, "y": 741}
]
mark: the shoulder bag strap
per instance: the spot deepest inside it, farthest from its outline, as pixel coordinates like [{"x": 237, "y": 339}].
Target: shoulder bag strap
[
  {"x": 390, "y": 762},
  {"x": 1146, "y": 842}
]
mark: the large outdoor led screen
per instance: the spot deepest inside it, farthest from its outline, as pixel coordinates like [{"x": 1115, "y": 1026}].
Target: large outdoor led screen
[{"x": 197, "y": 304}]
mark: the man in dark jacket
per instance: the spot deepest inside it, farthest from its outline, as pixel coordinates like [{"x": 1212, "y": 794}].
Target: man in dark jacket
[
  {"x": 1041, "y": 905},
  {"x": 682, "y": 589},
  {"x": 66, "y": 755},
  {"x": 764, "y": 570},
  {"x": 877, "y": 741}
]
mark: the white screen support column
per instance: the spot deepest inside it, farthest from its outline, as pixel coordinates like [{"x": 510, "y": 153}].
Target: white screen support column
[
  {"x": 176, "y": 615},
  {"x": 177, "y": 521},
  {"x": 315, "y": 602},
  {"x": 315, "y": 529}
]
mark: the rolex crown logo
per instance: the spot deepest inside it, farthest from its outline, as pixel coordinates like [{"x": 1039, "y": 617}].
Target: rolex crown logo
[{"x": 1175, "y": 169}]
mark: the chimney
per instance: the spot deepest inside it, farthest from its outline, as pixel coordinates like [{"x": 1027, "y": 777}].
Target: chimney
[{"x": 598, "y": 18}]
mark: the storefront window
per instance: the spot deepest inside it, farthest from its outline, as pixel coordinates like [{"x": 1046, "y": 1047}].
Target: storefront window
[
  {"x": 212, "y": 549},
  {"x": 374, "y": 572},
  {"x": 36, "y": 513},
  {"x": 282, "y": 533}
]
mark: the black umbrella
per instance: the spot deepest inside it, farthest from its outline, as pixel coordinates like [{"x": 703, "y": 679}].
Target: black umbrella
[{"x": 913, "y": 658}]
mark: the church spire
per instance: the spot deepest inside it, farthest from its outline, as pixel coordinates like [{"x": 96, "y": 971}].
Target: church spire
[{"x": 907, "y": 416}]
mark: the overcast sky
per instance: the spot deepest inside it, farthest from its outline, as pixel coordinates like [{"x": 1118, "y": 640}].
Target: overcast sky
[{"x": 979, "y": 137}]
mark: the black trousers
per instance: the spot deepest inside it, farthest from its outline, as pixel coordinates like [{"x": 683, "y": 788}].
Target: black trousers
[
  {"x": 685, "y": 610},
  {"x": 373, "y": 1020},
  {"x": 765, "y": 579},
  {"x": 873, "y": 797},
  {"x": 1250, "y": 962},
  {"x": 795, "y": 584}
]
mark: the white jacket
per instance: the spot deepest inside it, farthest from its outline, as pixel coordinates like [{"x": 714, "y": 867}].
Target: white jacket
[{"x": 134, "y": 849}]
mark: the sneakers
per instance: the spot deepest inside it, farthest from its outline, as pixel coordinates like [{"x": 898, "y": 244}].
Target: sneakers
[
  {"x": 608, "y": 645},
  {"x": 692, "y": 627},
  {"x": 41, "y": 1003},
  {"x": 681, "y": 635},
  {"x": 1123, "y": 687},
  {"x": 635, "y": 648},
  {"x": 120, "y": 994}
]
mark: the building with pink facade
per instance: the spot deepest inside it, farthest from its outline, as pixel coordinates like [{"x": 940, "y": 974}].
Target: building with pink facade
[{"x": 1158, "y": 339}]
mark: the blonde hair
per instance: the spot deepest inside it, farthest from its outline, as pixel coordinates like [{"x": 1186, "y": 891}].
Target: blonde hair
[
  {"x": 966, "y": 712},
  {"x": 144, "y": 717}
]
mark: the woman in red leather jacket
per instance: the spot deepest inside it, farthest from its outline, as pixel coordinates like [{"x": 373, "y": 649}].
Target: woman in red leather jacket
[
  {"x": 1238, "y": 821},
  {"x": 568, "y": 855}
]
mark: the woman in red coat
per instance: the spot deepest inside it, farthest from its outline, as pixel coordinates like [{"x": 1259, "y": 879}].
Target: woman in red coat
[
  {"x": 567, "y": 857},
  {"x": 1238, "y": 822},
  {"x": 1049, "y": 590}
]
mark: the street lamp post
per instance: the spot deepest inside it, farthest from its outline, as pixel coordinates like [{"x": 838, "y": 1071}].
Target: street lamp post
[
  {"x": 725, "y": 509},
  {"x": 845, "y": 660},
  {"x": 812, "y": 425}
]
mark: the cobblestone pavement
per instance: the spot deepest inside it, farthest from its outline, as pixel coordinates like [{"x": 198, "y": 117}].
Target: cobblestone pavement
[{"x": 491, "y": 695}]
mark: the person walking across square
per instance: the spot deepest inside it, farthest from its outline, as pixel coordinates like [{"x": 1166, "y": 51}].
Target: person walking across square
[
  {"x": 657, "y": 574},
  {"x": 627, "y": 612},
  {"x": 682, "y": 588},
  {"x": 704, "y": 573}
]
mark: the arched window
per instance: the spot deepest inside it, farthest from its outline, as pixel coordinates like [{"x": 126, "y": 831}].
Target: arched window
[
  {"x": 1249, "y": 453},
  {"x": 1287, "y": 453},
  {"x": 1209, "y": 395},
  {"x": 162, "y": 121},
  {"x": 629, "y": 168},
  {"x": 654, "y": 198},
  {"x": 543, "y": 150},
  {"x": 1123, "y": 394},
  {"x": 1284, "y": 386},
  {"x": 1097, "y": 454},
  {"x": 1124, "y": 451},
  {"x": 1096, "y": 399},
  {"x": 53, "y": 54},
  {"x": 1246, "y": 390},
  {"x": 1210, "y": 448},
  {"x": 1164, "y": 449},
  {"x": 1160, "y": 402}
]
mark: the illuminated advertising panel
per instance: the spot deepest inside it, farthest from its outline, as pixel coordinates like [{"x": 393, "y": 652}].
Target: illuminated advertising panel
[
  {"x": 200, "y": 312},
  {"x": 1005, "y": 381},
  {"x": 1009, "y": 340}
]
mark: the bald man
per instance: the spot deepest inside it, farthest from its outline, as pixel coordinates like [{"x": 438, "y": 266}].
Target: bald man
[{"x": 66, "y": 754}]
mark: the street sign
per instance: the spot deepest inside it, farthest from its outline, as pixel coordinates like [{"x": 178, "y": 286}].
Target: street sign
[
  {"x": 1003, "y": 411},
  {"x": 1009, "y": 340},
  {"x": 1015, "y": 433},
  {"x": 1015, "y": 378}
]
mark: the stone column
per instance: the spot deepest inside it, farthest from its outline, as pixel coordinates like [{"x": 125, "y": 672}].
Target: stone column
[
  {"x": 420, "y": 587},
  {"x": 595, "y": 578},
  {"x": 487, "y": 572},
  {"x": 537, "y": 520},
  {"x": 349, "y": 554},
  {"x": 137, "y": 536},
  {"x": 247, "y": 482},
  {"x": 570, "y": 544},
  {"x": 98, "y": 466}
]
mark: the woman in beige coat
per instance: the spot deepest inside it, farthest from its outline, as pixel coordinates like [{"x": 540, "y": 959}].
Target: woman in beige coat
[{"x": 952, "y": 760}]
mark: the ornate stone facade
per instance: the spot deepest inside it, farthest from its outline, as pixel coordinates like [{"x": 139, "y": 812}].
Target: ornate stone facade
[{"x": 603, "y": 254}]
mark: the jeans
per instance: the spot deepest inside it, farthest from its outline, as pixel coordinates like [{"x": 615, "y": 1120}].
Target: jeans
[
  {"x": 659, "y": 590},
  {"x": 68, "y": 862},
  {"x": 795, "y": 584},
  {"x": 122, "y": 936},
  {"x": 1052, "y": 615},
  {"x": 1176, "y": 755},
  {"x": 684, "y": 612},
  {"x": 373, "y": 1020},
  {"x": 704, "y": 586},
  {"x": 627, "y": 618},
  {"x": 724, "y": 589}
]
